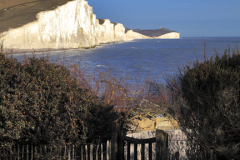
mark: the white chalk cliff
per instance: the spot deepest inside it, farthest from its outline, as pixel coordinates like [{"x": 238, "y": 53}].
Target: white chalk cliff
[
  {"x": 134, "y": 35},
  {"x": 72, "y": 25},
  {"x": 171, "y": 35}
]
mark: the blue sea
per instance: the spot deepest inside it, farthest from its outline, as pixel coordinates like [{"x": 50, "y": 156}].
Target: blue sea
[{"x": 140, "y": 59}]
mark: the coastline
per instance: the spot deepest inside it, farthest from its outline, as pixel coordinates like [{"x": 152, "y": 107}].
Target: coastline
[
  {"x": 40, "y": 50},
  {"x": 22, "y": 51},
  {"x": 19, "y": 51},
  {"x": 77, "y": 30}
]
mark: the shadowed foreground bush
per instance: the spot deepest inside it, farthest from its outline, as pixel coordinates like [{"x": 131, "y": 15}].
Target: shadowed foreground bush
[
  {"x": 42, "y": 104},
  {"x": 206, "y": 99}
]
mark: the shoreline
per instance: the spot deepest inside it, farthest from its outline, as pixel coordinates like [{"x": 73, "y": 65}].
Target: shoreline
[{"x": 22, "y": 51}]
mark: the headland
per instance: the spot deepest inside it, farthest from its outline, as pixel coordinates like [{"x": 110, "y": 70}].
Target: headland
[{"x": 62, "y": 24}]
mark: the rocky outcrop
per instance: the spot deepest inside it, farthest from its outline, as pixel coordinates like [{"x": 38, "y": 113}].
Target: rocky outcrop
[{"x": 72, "y": 25}]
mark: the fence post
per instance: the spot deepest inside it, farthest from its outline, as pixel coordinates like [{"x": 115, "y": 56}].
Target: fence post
[
  {"x": 108, "y": 150},
  {"x": 69, "y": 151},
  {"x": 120, "y": 146},
  {"x": 101, "y": 151},
  {"x": 97, "y": 151},
  {"x": 91, "y": 151},
  {"x": 73, "y": 153},
  {"x": 114, "y": 141},
  {"x": 31, "y": 152},
  {"x": 166, "y": 152},
  {"x": 18, "y": 152},
  {"x": 86, "y": 151},
  {"x": 27, "y": 152},
  {"x": 143, "y": 151},
  {"x": 81, "y": 152},
  {"x": 23, "y": 152},
  {"x": 150, "y": 151},
  {"x": 211, "y": 154},
  {"x": 160, "y": 137},
  {"x": 65, "y": 153}
]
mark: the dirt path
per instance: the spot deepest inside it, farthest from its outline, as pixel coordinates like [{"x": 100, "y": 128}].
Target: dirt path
[{"x": 16, "y": 13}]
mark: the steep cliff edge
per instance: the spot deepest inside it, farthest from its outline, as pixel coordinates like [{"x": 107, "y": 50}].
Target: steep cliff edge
[
  {"x": 16, "y": 13},
  {"x": 158, "y": 33},
  {"x": 171, "y": 35},
  {"x": 130, "y": 34},
  {"x": 71, "y": 25}
]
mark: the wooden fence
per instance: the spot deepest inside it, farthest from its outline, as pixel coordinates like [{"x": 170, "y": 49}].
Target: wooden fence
[
  {"x": 91, "y": 151},
  {"x": 110, "y": 150},
  {"x": 118, "y": 148},
  {"x": 119, "y": 141}
]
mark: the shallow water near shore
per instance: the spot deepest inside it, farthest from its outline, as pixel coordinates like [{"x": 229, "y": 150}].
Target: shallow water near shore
[{"x": 141, "y": 59}]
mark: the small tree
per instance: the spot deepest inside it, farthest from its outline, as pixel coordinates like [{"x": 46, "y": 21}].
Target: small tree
[{"x": 206, "y": 102}]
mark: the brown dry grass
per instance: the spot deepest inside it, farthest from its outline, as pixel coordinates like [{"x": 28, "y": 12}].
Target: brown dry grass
[{"x": 125, "y": 96}]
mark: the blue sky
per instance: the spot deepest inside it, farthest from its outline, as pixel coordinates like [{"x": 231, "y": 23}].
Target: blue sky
[{"x": 192, "y": 18}]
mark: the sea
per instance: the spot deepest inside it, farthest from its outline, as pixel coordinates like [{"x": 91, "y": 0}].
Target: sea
[{"x": 138, "y": 60}]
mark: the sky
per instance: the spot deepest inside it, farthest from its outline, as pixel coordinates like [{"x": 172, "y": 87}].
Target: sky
[{"x": 192, "y": 18}]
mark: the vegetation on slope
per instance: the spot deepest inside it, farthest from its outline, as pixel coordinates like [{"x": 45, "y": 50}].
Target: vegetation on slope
[
  {"x": 206, "y": 100},
  {"x": 16, "y": 13},
  {"x": 45, "y": 103},
  {"x": 41, "y": 103},
  {"x": 153, "y": 32}
]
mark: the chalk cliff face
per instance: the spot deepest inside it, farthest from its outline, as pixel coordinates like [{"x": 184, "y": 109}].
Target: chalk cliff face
[
  {"x": 107, "y": 32},
  {"x": 106, "y": 29},
  {"x": 69, "y": 26},
  {"x": 119, "y": 32},
  {"x": 72, "y": 25},
  {"x": 134, "y": 35},
  {"x": 171, "y": 35}
]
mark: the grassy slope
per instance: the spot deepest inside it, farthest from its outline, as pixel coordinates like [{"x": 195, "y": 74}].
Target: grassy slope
[
  {"x": 16, "y": 13},
  {"x": 154, "y": 32}
]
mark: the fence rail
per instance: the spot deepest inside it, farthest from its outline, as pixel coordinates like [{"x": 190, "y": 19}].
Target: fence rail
[
  {"x": 136, "y": 143},
  {"x": 139, "y": 141},
  {"x": 118, "y": 141}
]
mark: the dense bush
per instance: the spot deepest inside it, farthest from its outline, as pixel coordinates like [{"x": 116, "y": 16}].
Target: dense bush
[
  {"x": 41, "y": 103},
  {"x": 206, "y": 99}
]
